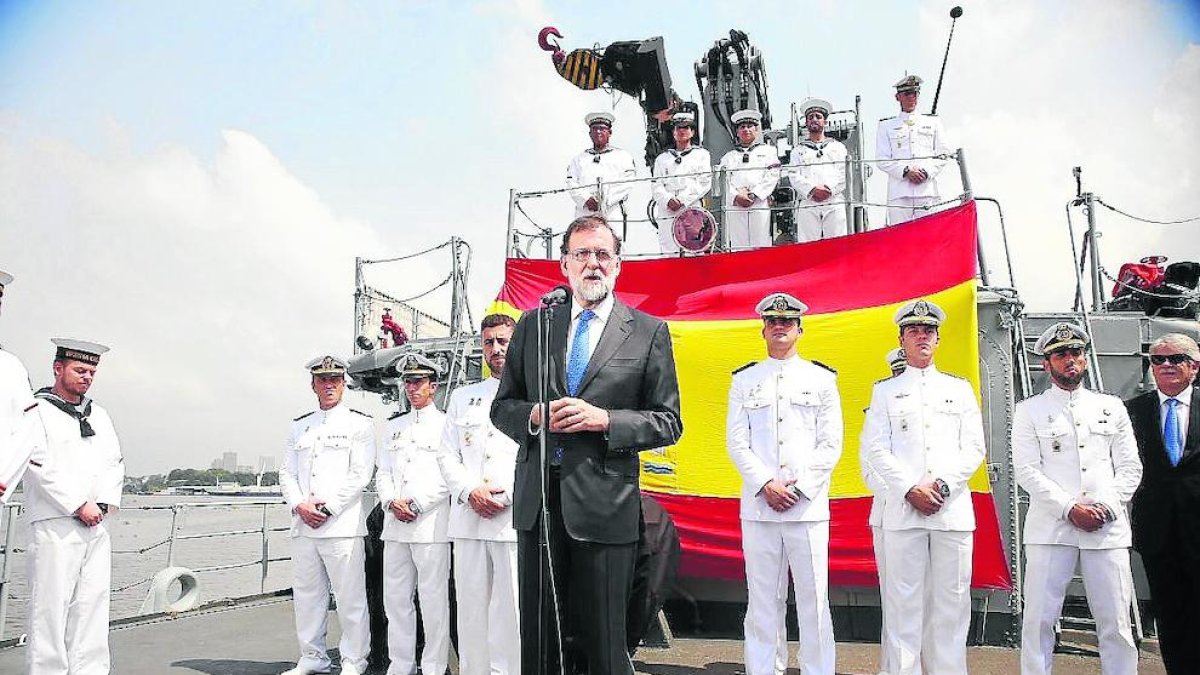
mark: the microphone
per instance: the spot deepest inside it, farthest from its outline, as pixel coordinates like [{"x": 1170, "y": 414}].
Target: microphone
[{"x": 561, "y": 295}]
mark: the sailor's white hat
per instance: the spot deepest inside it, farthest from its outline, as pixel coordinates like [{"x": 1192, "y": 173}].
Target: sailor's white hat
[
  {"x": 1062, "y": 335},
  {"x": 327, "y": 364},
  {"x": 748, "y": 115},
  {"x": 816, "y": 104},
  {"x": 780, "y": 305},
  {"x": 683, "y": 119},
  {"x": 604, "y": 118},
  {"x": 919, "y": 312},
  {"x": 78, "y": 350}
]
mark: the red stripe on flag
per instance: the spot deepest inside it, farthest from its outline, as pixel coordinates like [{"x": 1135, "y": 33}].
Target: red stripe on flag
[
  {"x": 876, "y": 268},
  {"x": 711, "y": 535}
]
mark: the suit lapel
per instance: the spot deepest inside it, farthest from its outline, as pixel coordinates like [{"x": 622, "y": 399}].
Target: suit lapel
[
  {"x": 616, "y": 331},
  {"x": 1191, "y": 444},
  {"x": 559, "y": 327}
]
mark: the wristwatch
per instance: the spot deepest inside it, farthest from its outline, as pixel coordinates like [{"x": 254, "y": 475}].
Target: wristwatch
[{"x": 942, "y": 488}]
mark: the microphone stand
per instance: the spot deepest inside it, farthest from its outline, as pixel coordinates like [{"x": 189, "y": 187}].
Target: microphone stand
[{"x": 545, "y": 563}]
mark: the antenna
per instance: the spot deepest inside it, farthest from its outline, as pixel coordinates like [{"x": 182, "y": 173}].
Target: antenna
[{"x": 954, "y": 14}]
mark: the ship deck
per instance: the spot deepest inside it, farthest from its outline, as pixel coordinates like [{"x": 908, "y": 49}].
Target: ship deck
[{"x": 257, "y": 638}]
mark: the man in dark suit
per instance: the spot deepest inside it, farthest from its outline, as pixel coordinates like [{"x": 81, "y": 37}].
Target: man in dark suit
[
  {"x": 612, "y": 393},
  {"x": 1165, "y": 511}
]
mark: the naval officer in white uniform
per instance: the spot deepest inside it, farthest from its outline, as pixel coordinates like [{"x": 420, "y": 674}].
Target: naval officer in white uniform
[
  {"x": 784, "y": 434},
  {"x": 751, "y": 174},
  {"x": 1074, "y": 453},
  {"x": 602, "y": 163},
  {"x": 328, "y": 462},
  {"x": 682, "y": 177},
  {"x": 819, "y": 176},
  {"x": 904, "y": 145},
  {"x": 416, "y": 548},
  {"x": 18, "y": 415},
  {"x": 73, "y": 483},
  {"x": 479, "y": 463},
  {"x": 923, "y": 437}
]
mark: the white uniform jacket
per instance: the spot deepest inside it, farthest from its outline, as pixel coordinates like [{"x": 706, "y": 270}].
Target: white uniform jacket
[
  {"x": 672, "y": 181},
  {"x": 1069, "y": 448},
  {"x": 67, "y": 470},
  {"x": 811, "y": 167},
  {"x": 408, "y": 469},
  {"x": 922, "y": 425},
  {"x": 608, "y": 165},
  {"x": 753, "y": 170},
  {"x": 475, "y": 453},
  {"x": 785, "y": 421},
  {"x": 874, "y": 483},
  {"x": 330, "y": 455},
  {"x": 18, "y": 422},
  {"x": 903, "y": 137}
]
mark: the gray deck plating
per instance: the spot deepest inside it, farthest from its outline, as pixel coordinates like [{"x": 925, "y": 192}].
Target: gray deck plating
[{"x": 259, "y": 639}]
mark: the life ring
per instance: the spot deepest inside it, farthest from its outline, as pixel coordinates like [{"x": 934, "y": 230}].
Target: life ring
[{"x": 159, "y": 597}]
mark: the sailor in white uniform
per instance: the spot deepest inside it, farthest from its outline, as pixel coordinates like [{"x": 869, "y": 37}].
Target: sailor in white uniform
[
  {"x": 682, "y": 177},
  {"x": 819, "y": 176},
  {"x": 904, "y": 145},
  {"x": 328, "y": 462},
  {"x": 784, "y": 434},
  {"x": 896, "y": 363},
  {"x": 1074, "y": 453},
  {"x": 751, "y": 174},
  {"x": 591, "y": 173},
  {"x": 479, "y": 463},
  {"x": 923, "y": 438},
  {"x": 18, "y": 415},
  {"x": 73, "y": 483},
  {"x": 416, "y": 554}
]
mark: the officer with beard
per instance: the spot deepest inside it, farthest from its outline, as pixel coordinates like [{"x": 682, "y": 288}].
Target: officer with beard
[
  {"x": 819, "y": 175},
  {"x": 1074, "y": 453}
]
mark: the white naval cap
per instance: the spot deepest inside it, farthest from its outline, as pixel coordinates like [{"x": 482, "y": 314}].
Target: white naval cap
[
  {"x": 816, "y": 104},
  {"x": 908, "y": 83},
  {"x": 748, "y": 115},
  {"x": 896, "y": 357},
  {"x": 780, "y": 305},
  {"x": 683, "y": 119},
  {"x": 5, "y": 278},
  {"x": 919, "y": 313},
  {"x": 595, "y": 118},
  {"x": 1062, "y": 335},
  {"x": 413, "y": 366},
  {"x": 327, "y": 364},
  {"x": 78, "y": 350}
]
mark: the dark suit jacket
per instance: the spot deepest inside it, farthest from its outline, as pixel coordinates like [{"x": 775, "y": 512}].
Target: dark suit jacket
[
  {"x": 1167, "y": 503},
  {"x": 631, "y": 375}
]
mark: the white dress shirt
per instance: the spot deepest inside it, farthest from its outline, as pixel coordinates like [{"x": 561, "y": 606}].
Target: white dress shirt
[{"x": 595, "y": 326}]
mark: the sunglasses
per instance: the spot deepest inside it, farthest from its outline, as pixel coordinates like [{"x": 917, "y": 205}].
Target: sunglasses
[{"x": 1173, "y": 359}]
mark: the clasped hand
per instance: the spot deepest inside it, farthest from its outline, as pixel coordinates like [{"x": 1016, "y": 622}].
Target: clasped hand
[
  {"x": 402, "y": 508},
  {"x": 483, "y": 501},
  {"x": 1087, "y": 517},
  {"x": 310, "y": 512},
  {"x": 925, "y": 498},
  {"x": 779, "y": 494},
  {"x": 572, "y": 415},
  {"x": 89, "y": 514}
]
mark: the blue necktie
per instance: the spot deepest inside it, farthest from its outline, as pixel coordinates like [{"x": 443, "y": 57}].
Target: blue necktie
[
  {"x": 1171, "y": 433},
  {"x": 577, "y": 366}
]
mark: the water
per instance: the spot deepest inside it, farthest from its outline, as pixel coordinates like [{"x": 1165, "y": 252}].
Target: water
[{"x": 144, "y": 522}]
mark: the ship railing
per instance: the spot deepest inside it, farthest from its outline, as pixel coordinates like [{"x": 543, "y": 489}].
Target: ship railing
[
  {"x": 10, "y": 512},
  {"x": 538, "y": 218}
]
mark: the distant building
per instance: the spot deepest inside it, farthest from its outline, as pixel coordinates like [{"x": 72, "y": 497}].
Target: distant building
[
  {"x": 229, "y": 461},
  {"x": 244, "y": 468},
  {"x": 216, "y": 464}
]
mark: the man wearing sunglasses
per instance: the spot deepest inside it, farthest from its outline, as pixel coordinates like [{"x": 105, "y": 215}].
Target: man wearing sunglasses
[
  {"x": 1166, "y": 507},
  {"x": 1073, "y": 451},
  {"x": 905, "y": 146}
]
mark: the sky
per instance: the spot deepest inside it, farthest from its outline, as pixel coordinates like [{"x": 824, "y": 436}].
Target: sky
[{"x": 190, "y": 183}]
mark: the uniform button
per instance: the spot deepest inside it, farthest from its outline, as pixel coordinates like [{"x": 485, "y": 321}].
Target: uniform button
[
  {"x": 487, "y": 455},
  {"x": 1085, "y": 469}
]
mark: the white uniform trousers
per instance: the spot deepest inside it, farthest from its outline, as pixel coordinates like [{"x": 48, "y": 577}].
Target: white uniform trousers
[
  {"x": 317, "y": 565},
  {"x": 70, "y": 573},
  {"x": 1109, "y": 586},
  {"x": 425, "y": 570},
  {"x": 904, "y": 209},
  {"x": 927, "y": 601},
  {"x": 769, "y": 549},
  {"x": 485, "y": 583},
  {"x": 822, "y": 221},
  {"x": 877, "y": 545},
  {"x": 748, "y": 228}
]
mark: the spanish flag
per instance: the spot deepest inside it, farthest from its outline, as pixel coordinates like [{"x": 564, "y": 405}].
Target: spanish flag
[{"x": 852, "y": 285}]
